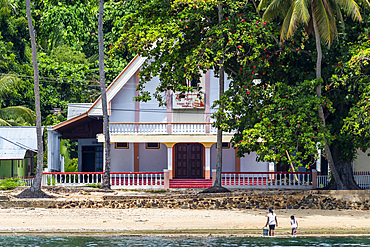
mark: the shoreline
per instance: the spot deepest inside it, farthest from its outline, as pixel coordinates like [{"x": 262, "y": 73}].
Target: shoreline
[
  {"x": 209, "y": 233},
  {"x": 179, "y": 222}
]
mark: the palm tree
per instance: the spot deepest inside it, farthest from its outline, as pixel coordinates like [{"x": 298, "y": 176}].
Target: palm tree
[
  {"x": 321, "y": 15},
  {"x": 35, "y": 190},
  {"x": 106, "y": 180},
  {"x": 17, "y": 116}
]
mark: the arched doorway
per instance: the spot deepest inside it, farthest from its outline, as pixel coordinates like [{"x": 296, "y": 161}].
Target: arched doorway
[{"x": 188, "y": 160}]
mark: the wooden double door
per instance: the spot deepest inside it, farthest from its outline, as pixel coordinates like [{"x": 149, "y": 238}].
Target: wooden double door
[{"x": 189, "y": 160}]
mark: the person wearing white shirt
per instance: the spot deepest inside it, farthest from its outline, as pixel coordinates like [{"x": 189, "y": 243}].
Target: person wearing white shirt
[
  {"x": 294, "y": 224},
  {"x": 271, "y": 222}
]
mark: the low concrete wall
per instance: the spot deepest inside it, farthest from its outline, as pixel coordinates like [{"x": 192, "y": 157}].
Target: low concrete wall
[{"x": 326, "y": 200}]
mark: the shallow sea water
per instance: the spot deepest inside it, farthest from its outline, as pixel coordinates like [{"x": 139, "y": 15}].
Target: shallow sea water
[{"x": 180, "y": 241}]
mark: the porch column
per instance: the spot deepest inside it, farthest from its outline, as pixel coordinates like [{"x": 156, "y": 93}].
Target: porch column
[
  {"x": 53, "y": 150},
  {"x": 169, "y": 146},
  {"x": 166, "y": 179},
  {"x": 271, "y": 169},
  {"x": 207, "y": 158},
  {"x": 207, "y": 102}
]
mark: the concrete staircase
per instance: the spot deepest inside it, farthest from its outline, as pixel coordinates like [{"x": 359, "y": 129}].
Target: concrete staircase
[{"x": 190, "y": 183}]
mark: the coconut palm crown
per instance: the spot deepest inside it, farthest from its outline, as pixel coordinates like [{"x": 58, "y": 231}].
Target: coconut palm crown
[{"x": 325, "y": 12}]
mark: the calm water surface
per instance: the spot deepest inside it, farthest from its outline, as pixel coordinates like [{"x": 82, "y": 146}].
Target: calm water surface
[{"x": 181, "y": 241}]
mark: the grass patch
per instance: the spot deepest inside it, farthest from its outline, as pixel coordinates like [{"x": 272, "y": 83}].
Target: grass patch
[{"x": 94, "y": 185}]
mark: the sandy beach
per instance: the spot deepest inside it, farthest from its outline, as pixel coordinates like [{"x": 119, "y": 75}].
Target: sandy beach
[
  {"x": 177, "y": 221},
  {"x": 164, "y": 221}
]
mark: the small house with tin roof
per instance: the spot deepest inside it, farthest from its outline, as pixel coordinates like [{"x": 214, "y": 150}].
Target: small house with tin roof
[{"x": 18, "y": 147}]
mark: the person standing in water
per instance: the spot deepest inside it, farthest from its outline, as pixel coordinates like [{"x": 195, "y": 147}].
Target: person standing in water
[
  {"x": 271, "y": 222},
  {"x": 294, "y": 224}
]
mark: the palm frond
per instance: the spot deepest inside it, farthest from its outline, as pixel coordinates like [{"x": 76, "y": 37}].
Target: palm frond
[
  {"x": 303, "y": 13},
  {"x": 351, "y": 8},
  {"x": 17, "y": 113},
  {"x": 286, "y": 24},
  {"x": 325, "y": 22},
  {"x": 263, "y": 4},
  {"x": 365, "y": 2},
  {"x": 276, "y": 8},
  {"x": 17, "y": 122},
  {"x": 299, "y": 15},
  {"x": 338, "y": 14},
  {"x": 7, "y": 83},
  {"x": 4, "y": 123}
]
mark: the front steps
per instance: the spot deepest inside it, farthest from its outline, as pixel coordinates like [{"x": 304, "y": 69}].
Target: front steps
[{"x": 190, "y": 183}]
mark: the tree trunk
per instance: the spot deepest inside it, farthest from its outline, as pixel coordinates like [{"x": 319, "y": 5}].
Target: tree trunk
[
  {"x": 345, "y": 171},
  {"x": 36, "y": 185},
  {"x": 106, "y": 181},
  {"x": 218, "y": 181},
  {"x": 217, "y": 186},
  {"x": 221, "y": 81},
  {"x": 338, "y": 181}
]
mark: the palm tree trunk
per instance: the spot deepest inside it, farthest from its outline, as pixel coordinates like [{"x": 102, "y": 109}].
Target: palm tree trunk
[
  {"x": 36, "y": 185},
  {"x": 218, "y": 180},
  {"x": 328, "y": 154},
  {"x": 106, "y": 180}
]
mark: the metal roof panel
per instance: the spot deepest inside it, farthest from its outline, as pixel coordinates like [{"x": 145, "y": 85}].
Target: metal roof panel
[{"x": 15, "y": 141}]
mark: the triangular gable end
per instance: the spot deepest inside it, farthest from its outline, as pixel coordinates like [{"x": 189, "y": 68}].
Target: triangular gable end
[{"x": 117, "y": 84}]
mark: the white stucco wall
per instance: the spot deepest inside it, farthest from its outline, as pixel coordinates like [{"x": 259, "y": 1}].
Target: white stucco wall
[
  {"x": 122, "y": 160},
  {"x": 188, "y": 116},
  {"x": 152, "y": 160},
  {"x": 122, "y": 105},
  {"x": 214, "y": 88},
  {"x": 249, "y": 164},
  {"x": 150, "y": 111},
  {"x": 362, "y": 162},
  {"x": 228, "y": 159}
]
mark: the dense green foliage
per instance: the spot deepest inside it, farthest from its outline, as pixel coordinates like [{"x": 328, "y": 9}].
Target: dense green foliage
[
  {"x": 271, "y": 103},
  {"x": 66, "y": 34}
]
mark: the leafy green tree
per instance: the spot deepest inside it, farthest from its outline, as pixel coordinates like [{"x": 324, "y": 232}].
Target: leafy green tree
[
  {"x": 64, "y": 82},
  {"x": 73, "y": 24},
  {"x": 13, "y": 28},
  {"x": 321, "y": 16},
  {"x": 185, "y": 39},
  {"x": 354, "y": 74}
]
